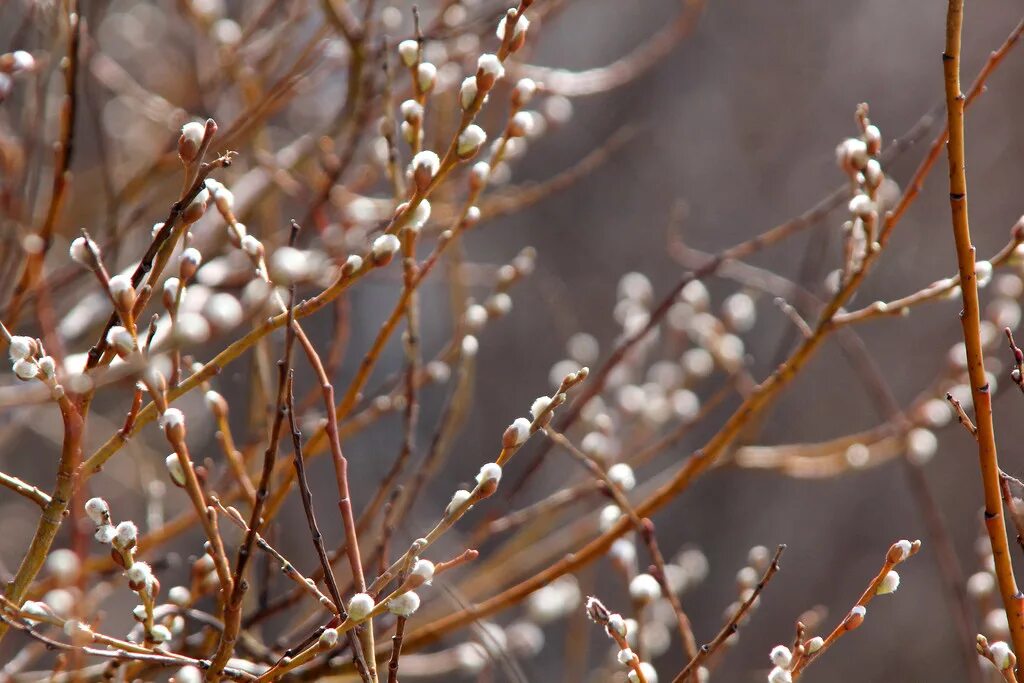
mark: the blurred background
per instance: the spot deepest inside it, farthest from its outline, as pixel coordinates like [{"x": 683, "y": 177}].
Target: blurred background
[{"x": 734, "y": 130}]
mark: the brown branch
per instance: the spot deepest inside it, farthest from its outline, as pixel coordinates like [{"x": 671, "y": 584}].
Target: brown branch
[
  {"x": 733, "y": 625},
  {"x": 970, "y": 319}
]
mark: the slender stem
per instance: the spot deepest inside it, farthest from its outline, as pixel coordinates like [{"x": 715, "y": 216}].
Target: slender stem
[{"x": 970, "y": 320}]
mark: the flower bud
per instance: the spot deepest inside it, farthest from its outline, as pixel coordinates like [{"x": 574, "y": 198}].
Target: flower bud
[
  {"x": 516, "y": 434},
  {"x": 409, "y": 51},
  {"x": 470, "y": 141},
  {"x": 97, "y": 510},
  {"x": 384, "y": 249},
  {"x": 120, "y": 340},
  {"x": 21, "y": 347},
  {"x": 426, "y": 77},
  {"x": 83, "y": 251},
  {"x": 423, "y": 570},
  {"x": 25, "y": 370},
  {"x": 175, "y": 470},
  {"x": 425, "y": 166},
  {"x": 188, "y": 264},
  {"x": 360, "y": 606},
  {"x": 468, "y": 93},
  {"x": 488, "y": 70},
  {"x": 889, "y": 584},
  {"x": 121, "y": 292},
  {"x": 126, "y": 533},
  {"x": 523, "y": 92},
  {"x": 404, "y": 605},
  {"x": 191, "y": 140}
]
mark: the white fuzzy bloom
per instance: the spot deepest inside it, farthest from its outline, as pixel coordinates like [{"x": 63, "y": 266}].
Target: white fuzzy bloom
[
  {"x": 105, "y": 533},
  {"x": 649, "y": 673},
  {"x": 814, "y": 644},
  {"x": 739, "y": 311},
  {"x": 859, "y": 611},
  {"x": 420, "y": 215},
  {"x": 905, "y": 547},
  {"x": 522, "y": 430},
  {"x": 126, "y": 533},
  {"x": 353, "y": 263},
  {"x": 404, "y": 605},
  {"x": 625, "y": 656},
  {"x": 25, "y": 369},
  {"x": 889, "y": 584},
  {"x": 171, "y": 286},
  {"x": 411, "y": 110},
  {"x": 252, "y": 246},
  {"x": 35, "y": 609},
  {"x": 174, "y": 469},
  {"x": 59, "y": 600},
  {"x": 120, "y": 339},
  {"x": 460, "y": 497},
  {"x": 179, "y": 595},
  {"x": 139, "y": 573},
  {"x": 608, "y": 516},
  {"x": 423, "y": 569},
  {"x": 1000, "y": 655},
  {"x": 644, "y": 588},
  {"x": 922, "y": 445},
  {"x": 385, "y": 246},
  {"x": 222, "y": 196},
  {"x": 97, "y": 510},
  {"x": 861, "y": 205},
  {"x": 780, "y": 675},
  {"x": 617, "y": 624},
  {"x": 329, "y": 638},
  {"x": 47, "y": 366},
  {"x": 22, "y": 61},
  {"x": 21, "y": 347},
  {"x": 63, "y": 564},
  {"x": 80, "y": 252},
  {"x": 520, "y": 28},
  {"x": 525, "y": 90},
  {"x": 470, "y": 140},
  {"x": 499, "y": 303},
  {"x": 539, "y": 405},
  {"x": 623, "y": 550},
  {"x": 980, "y": 584},
  {"x": 190, "y": 258},
  {"x": 471, "y": 657},
  {"x": 197, "y": 208},
  {"x": 470, "y": 345},
  {"x": 490, "y": 65},
  {"x": 171, "y": 418},
  {"x": 622, "y": 476},
  {"x": 74, "y": 627},
  {"x": 409, "y": 51},
  {"x": 480, "y": 171},
  {"x": 746, "y": 578},
  {"x": 193, "y": 132},
  {"x": 426, "y": 76},
  {"x": 160, "y": 633},
  {"x": 489, "y": 472},
  {"x": 192, "y": 328},
  {"x": 427, "y": 160},
  {"x": 468, "y": 92},
  {"x": 288, "y": 265},
  {"x": 781, "y": 656},
  {"x": 475, "y": 317},
  {"x": 852, "y": 152},
  {"x": 359, "y": 606},
  {"x": 522, "y": 123},
  {"x": 983, "y": 270},
  {"x": 223, "y": 311}
]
